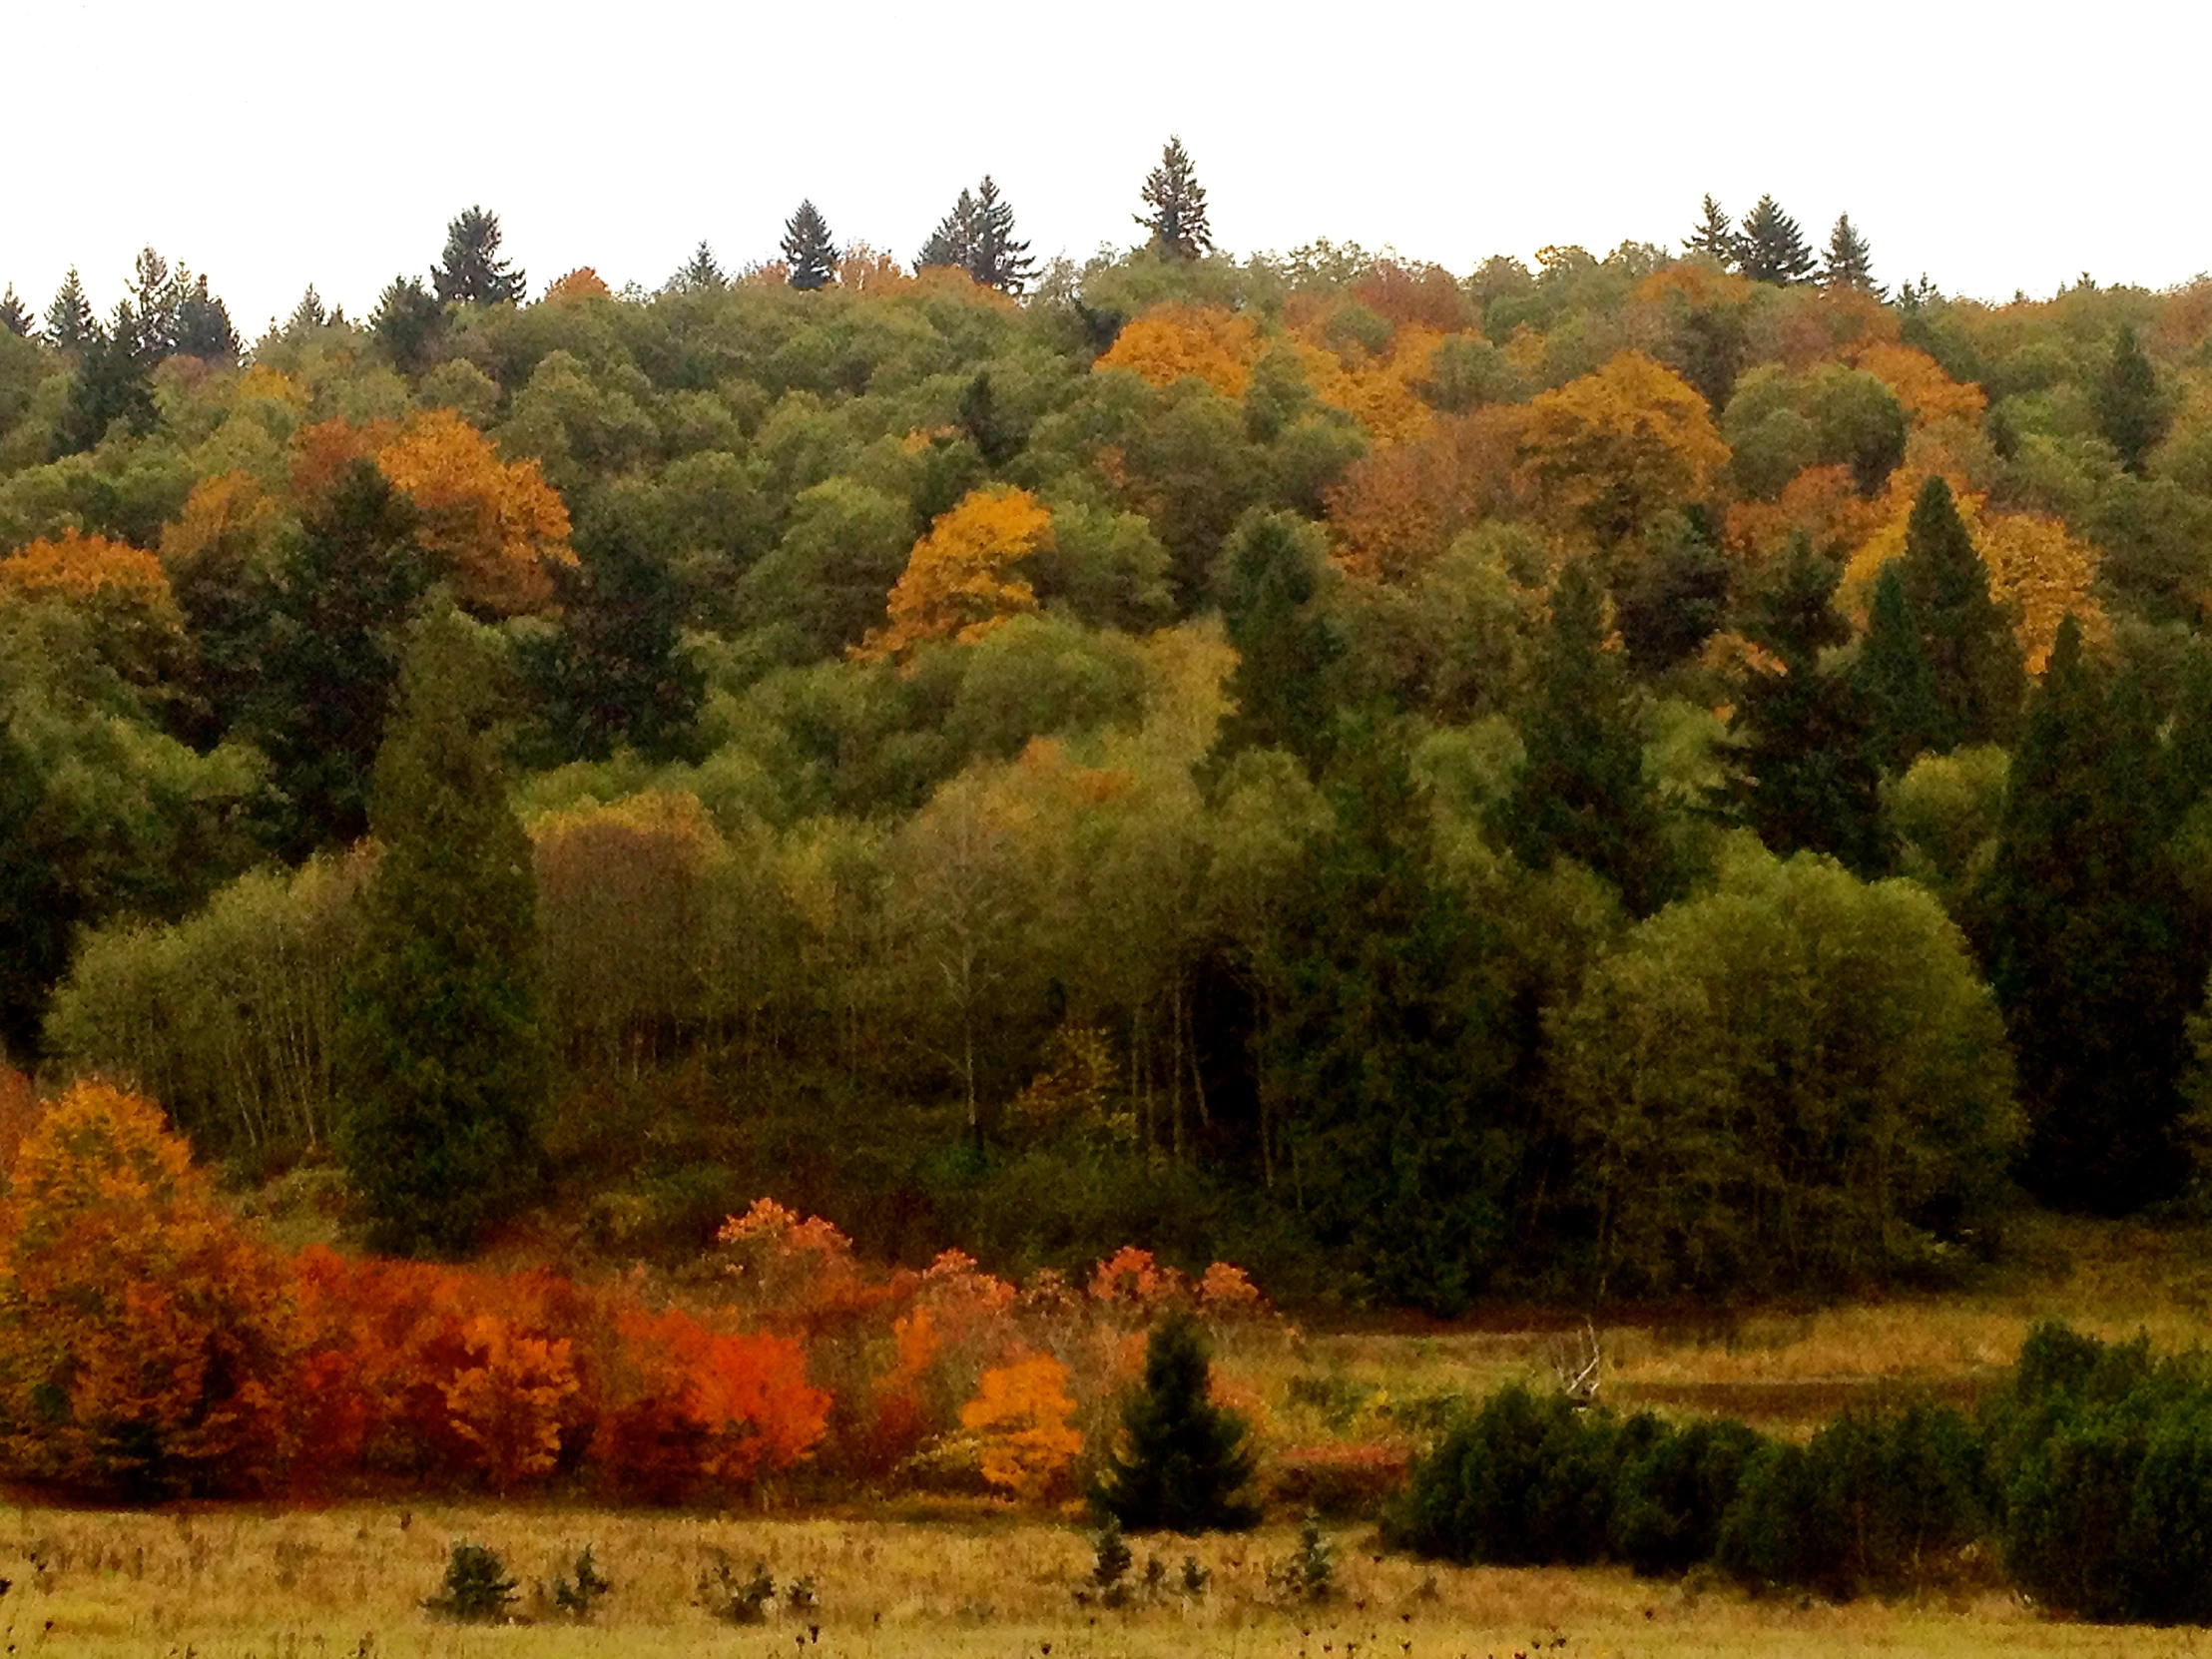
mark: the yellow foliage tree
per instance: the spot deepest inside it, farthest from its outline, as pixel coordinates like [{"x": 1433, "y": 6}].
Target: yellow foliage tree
[
  {"x": 1919, "y": 380},
  {"x": 144, "y": 1342},
  {"x": 226, "y": 518},
  {"x": 955, "y": 585},
  {"x": 1022, "y": 1420},
  {"x": 497, "y": 525},
  {"x": 1378, "y": 391},
  {"x": 1171, "y": 342},
  {"x": 1607, "y": 452},
  {"x": 866, "y": 269},
  {"x": 578, "y": 285}
]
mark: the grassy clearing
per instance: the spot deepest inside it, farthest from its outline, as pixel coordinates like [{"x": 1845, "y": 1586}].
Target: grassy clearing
[{"x": 349, "y": 1583}]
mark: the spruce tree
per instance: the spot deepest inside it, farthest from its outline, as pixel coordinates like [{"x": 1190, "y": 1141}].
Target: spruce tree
[
  {"x": 1800, "y": 776},
  {"x": 203, "y": 326},
  {"x": 702, "y": 273},
  {"x": 1773, "y": 249},
  {"x": 809, "y": 249},
  {"x": 307, "y": 316},
  {"x": 1581, "y": 792},
  {"x": 1715, "y": 236},
  {"x": 1979, "y": 678},
  {"x": 15, "y": 317},
  {"x": 69, "y": 319},
  {"x": 471, "y": 271},
  {"x": 952, "y": 243},
  {"x": 1894, "y": 684},
  {"x": 406, "y": 324},
  {"x": 2088, "y": 952},
  {"x": 1849, "y": 260},
  {"x": 1177, "y": 202},
  {"x": 154, "y": 306},
  {"x": 1186, "y": 1465},
  {"x": 442, "y": 1054},
  {"x": 998, "y": 260},
  {"x": 114, "y": 382},
  {"x": 1282, "y": 689},
  {"x": 2131, "y": 413}
]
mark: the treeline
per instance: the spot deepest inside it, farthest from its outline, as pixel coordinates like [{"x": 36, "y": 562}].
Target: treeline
[{"x": 1646, "y": 773}]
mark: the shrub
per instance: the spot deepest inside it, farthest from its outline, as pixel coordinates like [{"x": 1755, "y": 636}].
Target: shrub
[
  {"x": 1187, "y": 1464},
  {"x": 576, "y": 1597},
  {"x": 735, "y": 1600},
  {"x": 1671, "y": 1496},
  {"x": 1308, "y": 1573},
  {"x": 477, "y": 1588}
]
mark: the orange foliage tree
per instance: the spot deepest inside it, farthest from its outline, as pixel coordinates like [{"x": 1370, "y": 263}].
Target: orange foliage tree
[
  {"x": 1021, "y": 1417},
  {"x": 578, "y": 285},
  {"x": 508, "y": 1404},
  {"x": 957, "y": 584},
  {"x": 498, "y": 525},
  {"x": 1396, "y": 510},
  {"x": 1919, "y": 380},
  {"x": 1607, "y": 452},
  {"x": 119, "y": 589},
  {"x": 1204, "y": 341},
  {"x": 146, "y": 1344}
]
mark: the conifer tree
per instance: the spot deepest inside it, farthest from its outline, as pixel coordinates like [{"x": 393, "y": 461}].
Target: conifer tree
[
  {"x": 69, "y": 319},
  {"x": 952, "y": 243},
  {"x": 1186, "y": 1465},
  {"x": 1972, "y": 650},
  {"x": 203, "y": 326},
  {"x": 1896, "y": 686},
  {"x": 114, "y": 382},
  {"x": 2131, "y": 411},
  {"x": 1849, "y": 260},
  {"x": 1801, "y": 775},
  {"x": 702, "y": 273},
  {"x": 1270, "y": 583},
  {"x": 152, "y": 305},
  {"x": 2088, "y": 953},
  {"x": 309, "y": 314},
  {"x": 406, "y": 324},
  {"x": 1772, "y": 247},
  {"x": 808, "y": 249},
  {"x": 1178, "y": 203},
  {"x": 1715, "y": 236},
  {"x": 998, "y": 260},
  {"x": 1581, "y": 792},
  {"x": 15, "y": 317},
  {"x": 441, "y": 1056},
  {"x": 471, "y": 271}
]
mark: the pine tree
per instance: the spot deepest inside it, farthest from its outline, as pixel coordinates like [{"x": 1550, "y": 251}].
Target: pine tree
[
  {"x": 1186, "y": 1465},
  {"x": 1972, "y": 653},
  {"x": 472, "y": 272},
  {"x": 1773, "y": 249},
  {"x": 406, "y": 324},
  {"x": 203, "y": 326},
  {"x": 998, "y": 260},
  {"x": 952, "y": 243},
  {"x": 15, "y": 317},
  {"x": 1801, "y": 775},
  {"x": 69, "y": 319},
  {"x": 1581, "y": 792},
  {"x": 700, "y": 273},
  {"x": 2088, "y": 953},
  {"x": 1850, "y": 262},
  {"x": 2131, "y": 411},
  {"x": 808, "y": 250},
  {"x": 307, "y": 316},
  {"x": 1715, "y": 236},
  {"x": 441, "y": 1055},
  {"x": 1896, "y": 686},
  {"x": 114, "y": 382},
  {"x": 1178, "y": 203}
]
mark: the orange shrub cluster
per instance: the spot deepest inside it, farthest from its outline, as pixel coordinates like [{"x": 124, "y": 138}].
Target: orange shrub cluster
[{"x": 152, "y": 1346}]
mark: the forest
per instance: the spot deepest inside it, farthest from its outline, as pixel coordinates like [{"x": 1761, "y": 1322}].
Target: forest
[{"x": 1678, "y": 773}]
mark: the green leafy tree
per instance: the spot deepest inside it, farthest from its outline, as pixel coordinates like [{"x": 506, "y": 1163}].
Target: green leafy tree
[
  {"x": 2088, "y": 950},
  {"x": 808, "y": 249},
  {"x": 1185, "y": 1464},
  {"x": 69, "y": 319},
  {"x": 1801, "y": 774},
  {"x": 1176, "y": 204},
  {"x": 406, "y": 322},
  {"x": 1714, "y": 235},
  {"x": 472, "y": 272},
  {"x": 2131, "y": 411},
  {"x": 1849, "y": 260},
  {"x": 442, "y": 1056},
  {"x": 1773, "y": 249},
  {"x": 1581, "y": 792}
]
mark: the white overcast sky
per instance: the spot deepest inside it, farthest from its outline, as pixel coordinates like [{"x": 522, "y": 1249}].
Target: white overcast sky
[{"x": 1992, "y": 146}]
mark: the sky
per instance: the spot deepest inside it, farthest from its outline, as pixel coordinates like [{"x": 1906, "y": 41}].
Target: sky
[{"x": 1993, "y": 148}]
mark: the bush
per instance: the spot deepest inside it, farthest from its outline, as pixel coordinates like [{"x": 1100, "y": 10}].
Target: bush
[
  {"x": 477, "y": 1588},
  {"x": 1670, "y": 1499}
]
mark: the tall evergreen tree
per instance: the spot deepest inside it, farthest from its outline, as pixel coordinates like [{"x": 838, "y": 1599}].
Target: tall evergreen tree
[
  {"x": 2089, "y": 950},
  {"x": 1972, "y": 650},
  {"x": 203, "y": 326},
  {"x": 808, "y": 249},
  {"x": 952, "y": 243},
  {"x": 1284, "y": 685},
  {"x": 1177, "y": 202},
  {"x": 1000, "y": 260},
  {"x": 471, "y": 271},
  {"x": 442, "y": 1054},
  {"x": 1185, "y": 1463},
  {"x": 2131, "y": 411},
  {"x": 1849, "y": 260},
  {"x": 702, "y": 273},
  {"x": 1581, "y": 792},
  {"x": 307, "y": 316},
  {"x": 1773, "y": 249},
  {"x": 153, "y": 305},
  {"x": 69, "y": 319},
  {"x": 114, "y": 382},
  {"x": 1676, "y": 595},
  {"x": 1894, "y": 684},
  {"x": 1801, "y": 775},
  {"x": 15, "y": 317},
  {"x": 406, "y": 324},
  {"x": 1715, "y": 236}
]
